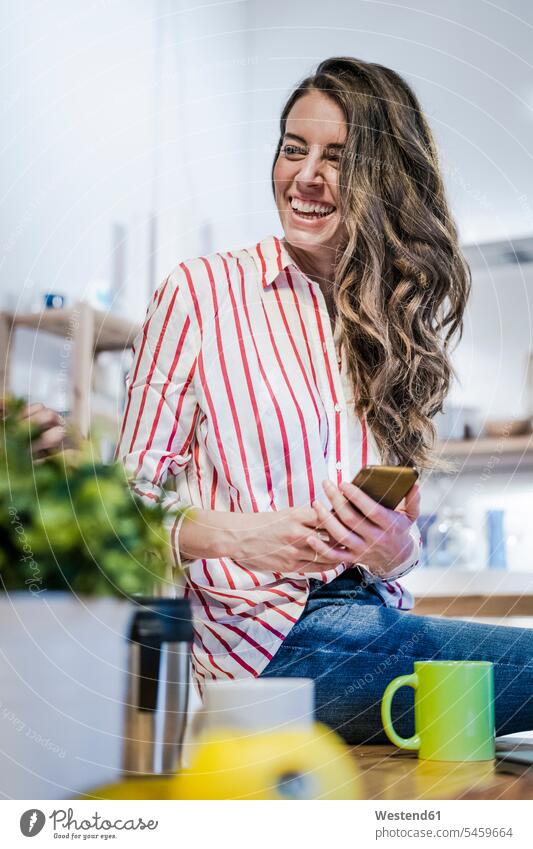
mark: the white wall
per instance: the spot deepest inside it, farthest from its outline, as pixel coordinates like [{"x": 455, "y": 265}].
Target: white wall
[
  {"x": 113, "y": 112},
  {"x": 492, "y": 358},
  {"x": 123, "y": 113},
  {"x": 200, "y": 180},
  {"x": 76, "y": 86}
]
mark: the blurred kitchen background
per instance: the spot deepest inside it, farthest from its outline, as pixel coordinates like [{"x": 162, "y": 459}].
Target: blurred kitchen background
[{"x": 137, "y": 133}]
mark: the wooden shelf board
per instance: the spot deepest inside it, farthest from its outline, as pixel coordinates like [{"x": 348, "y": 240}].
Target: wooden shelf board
[
  {"x": 486, "y": 446},
  {"x": 111, "y": 332},
  {"x": 492, "y": 606},
  {"x": 432, "y": 581},
  {"x": 471, "y": 593},
  {"x": 497, "y": 455}
]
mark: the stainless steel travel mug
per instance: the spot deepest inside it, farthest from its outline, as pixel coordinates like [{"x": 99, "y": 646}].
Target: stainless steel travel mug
[{"x": 158, "y": 686}]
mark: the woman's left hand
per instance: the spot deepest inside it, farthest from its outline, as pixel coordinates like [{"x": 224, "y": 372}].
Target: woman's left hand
[{"x": 373, "y": 535}]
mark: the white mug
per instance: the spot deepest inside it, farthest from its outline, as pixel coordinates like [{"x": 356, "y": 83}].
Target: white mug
[{"x": 258, "y": 704}]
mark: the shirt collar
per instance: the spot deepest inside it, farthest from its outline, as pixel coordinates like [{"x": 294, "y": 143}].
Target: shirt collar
[{"x": 271, "y": 257}]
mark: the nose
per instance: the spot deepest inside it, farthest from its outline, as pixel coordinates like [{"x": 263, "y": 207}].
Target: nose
[{"x": 310, "y": 172}]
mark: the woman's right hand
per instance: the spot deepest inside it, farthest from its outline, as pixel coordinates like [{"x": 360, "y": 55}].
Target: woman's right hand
[{"x": 277, "y": 541}]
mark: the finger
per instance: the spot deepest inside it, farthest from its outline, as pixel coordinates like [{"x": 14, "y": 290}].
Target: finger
[
  {"x": 411, "y": 503},
  {"x": 31, "y": 410},
  {"x": 42, "y": 420},
  {"x": 376, "y": 513},
  {"x": 312, "y": 568},
  {"x": 45, "y": 418},
  {"x": 308, "y": 516},
  {"x": 363, "y": 531},
  {"x": 50, "y": 440},
  {"x": 319, "y": 532},
  {"x": 328, "y": 555},
  {"x": 336, "y": 529},
  {"x": 344, "y": 510}
]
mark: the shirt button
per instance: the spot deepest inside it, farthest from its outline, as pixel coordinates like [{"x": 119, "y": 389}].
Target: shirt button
[
  {"x": 338, "y": 408},
  {"x": 338, "y": 466}
]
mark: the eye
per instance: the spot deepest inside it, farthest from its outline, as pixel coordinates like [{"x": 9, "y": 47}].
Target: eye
[
  {"x": 291, "y": 151},
  {"x": 333, "y": 154}
]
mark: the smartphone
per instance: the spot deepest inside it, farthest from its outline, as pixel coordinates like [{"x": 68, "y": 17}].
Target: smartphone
[{"x": 386, "y": 484}]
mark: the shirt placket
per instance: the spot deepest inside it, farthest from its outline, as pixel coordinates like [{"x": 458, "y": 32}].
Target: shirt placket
[{"x": 337, "y": 460}]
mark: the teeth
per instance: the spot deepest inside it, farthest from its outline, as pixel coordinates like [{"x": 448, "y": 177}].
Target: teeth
[{"x": 320, "y": 208}]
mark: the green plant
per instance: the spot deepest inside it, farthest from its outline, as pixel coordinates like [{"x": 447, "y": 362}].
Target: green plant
[{"x": 70, "y": 522}]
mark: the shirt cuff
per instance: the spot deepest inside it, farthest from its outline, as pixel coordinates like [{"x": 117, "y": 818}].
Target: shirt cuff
[
  {"x": 403, "y": 568},
  {"x": 173, "y": 524}
]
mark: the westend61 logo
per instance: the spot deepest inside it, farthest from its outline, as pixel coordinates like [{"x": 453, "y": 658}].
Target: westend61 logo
[{"x": 66, "y": 825}]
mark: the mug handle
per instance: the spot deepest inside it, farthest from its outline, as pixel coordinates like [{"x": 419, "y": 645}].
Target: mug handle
[{"x": 386, "y": 704}]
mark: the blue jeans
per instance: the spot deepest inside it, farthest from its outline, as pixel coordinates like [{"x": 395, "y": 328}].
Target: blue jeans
[{"x": 353, "y": 645}]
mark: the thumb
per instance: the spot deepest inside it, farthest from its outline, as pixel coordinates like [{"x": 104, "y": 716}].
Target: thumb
[{"x": 411, "y": 503}]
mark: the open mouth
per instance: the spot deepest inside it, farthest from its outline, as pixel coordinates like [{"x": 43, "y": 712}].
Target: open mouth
[{"x": 310, "y": 211}]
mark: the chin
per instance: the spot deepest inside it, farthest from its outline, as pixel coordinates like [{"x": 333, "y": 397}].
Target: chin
[
  {"x": 307, "y": 241},
  {"x": 305, "y": 238}
]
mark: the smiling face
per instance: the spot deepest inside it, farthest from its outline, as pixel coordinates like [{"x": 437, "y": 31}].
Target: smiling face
[{"x": 306, "y": 176}]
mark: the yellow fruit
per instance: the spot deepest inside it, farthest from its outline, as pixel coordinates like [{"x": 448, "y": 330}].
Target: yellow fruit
[
  {"x": 307, "y": 764},
  {"x": 133, "y": 788}
]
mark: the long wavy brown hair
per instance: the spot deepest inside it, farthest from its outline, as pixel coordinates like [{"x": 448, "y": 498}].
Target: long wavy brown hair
[{"x": 401, "y": 283}]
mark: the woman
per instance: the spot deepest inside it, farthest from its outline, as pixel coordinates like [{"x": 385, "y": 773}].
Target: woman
[{"x": 265, "y": 378}]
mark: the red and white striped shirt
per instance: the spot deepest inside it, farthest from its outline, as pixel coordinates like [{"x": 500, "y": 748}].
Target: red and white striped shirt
[{"x": 236, "y": 393}]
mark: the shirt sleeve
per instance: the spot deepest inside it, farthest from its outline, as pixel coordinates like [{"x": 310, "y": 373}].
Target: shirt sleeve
[
  {"x": 404, "y": 568},
  {"x": 161, "y": 409}
]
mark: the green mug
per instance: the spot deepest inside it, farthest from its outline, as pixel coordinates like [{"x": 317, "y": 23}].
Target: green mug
[{"x": 454, "y": 710}]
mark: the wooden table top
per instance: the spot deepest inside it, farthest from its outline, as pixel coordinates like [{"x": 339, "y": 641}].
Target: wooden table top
[{"x": 391, "y": 773}]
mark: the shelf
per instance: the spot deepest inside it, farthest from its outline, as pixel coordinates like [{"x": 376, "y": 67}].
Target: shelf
[
  {"x": 111, "y": 332},
  {"x": 430, "y": 581},
  {"x": 501, "y": 454},
  {"x": 88, "y": 331},
  {"x": 489, "y": 593}
]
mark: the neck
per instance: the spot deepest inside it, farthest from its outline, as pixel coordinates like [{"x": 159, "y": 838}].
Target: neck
[{"x": 318, "y": 266}]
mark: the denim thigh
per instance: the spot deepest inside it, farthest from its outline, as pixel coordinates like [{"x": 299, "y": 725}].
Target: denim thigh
[{"x": 352, "y": 645}]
